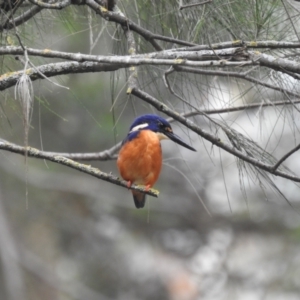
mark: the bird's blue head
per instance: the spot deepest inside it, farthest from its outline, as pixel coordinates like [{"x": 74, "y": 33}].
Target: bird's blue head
[{"x": 156, "y": 124}]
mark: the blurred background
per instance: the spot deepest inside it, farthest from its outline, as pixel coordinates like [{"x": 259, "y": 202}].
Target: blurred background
[{"x": 217, "y": 230}]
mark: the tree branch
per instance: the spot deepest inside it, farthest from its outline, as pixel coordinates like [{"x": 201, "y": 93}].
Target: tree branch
[
  {"x": 210, "y": 137},
  {"x": 32, "y": 152},
  {"x": 231, "y": 54},
  {"x": 187, "y": 61},
  {"x": 111, "y": 64},
  {"x": 287, "y": 155},
  {"x": 10, "y": 79},
  {"x": 276, "y": 63}
]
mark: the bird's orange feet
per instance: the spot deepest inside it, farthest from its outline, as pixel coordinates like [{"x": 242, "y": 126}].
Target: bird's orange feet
[
  {"x": 147, "y": 188},
  {"x": 129, "y": 184}
]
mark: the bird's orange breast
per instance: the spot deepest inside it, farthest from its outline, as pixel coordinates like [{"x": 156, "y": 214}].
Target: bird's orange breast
[{"x": 140, "y": 159}]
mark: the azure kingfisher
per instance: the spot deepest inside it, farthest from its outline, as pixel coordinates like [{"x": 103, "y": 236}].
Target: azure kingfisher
[{"x": 140, "y": 157}]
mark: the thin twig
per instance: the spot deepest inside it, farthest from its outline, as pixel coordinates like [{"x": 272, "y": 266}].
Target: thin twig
[
  {"x": 240, "y": 108},
  {"x": 242, "y": 75},
  {"x": 284, "y": 157}
]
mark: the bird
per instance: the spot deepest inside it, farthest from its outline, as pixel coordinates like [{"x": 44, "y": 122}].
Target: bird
[{"x": 140, "y": 157}]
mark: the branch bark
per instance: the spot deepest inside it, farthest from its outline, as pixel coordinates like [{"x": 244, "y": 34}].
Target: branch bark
[
  {"x": 210, "y": 137},
  {"x": 10, "y": 79},
  {"x": 32, "y": 152}
]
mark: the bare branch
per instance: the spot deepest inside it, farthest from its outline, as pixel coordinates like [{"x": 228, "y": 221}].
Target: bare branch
[
  {"x": 276, "y": 63},
  {"x": 206, "y": 58},
  {"x": 287, "y": 155},
  {"x": 210, "y": 137},
  {"x": 132, "y": 80},
  {"x": 232, "y": 54},
  {"x": 32, "y": 152},
  {"x": 49, "y": 70},
  {"x": 111, "y": 63}
]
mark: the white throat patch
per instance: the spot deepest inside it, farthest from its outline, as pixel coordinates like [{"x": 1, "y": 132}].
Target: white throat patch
[
  {"x": 138, "y": 127},
  {"x": 161, "y": 136}
]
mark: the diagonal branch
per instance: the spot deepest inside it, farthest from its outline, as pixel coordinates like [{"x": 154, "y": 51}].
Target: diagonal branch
[
  {"x": 286, "y": 156},
  {"x": 210, "y": 137},
  {"x": 32, "y": 152}
]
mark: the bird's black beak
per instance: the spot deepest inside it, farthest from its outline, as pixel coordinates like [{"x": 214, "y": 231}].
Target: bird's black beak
[{"x": 175, "y": 138}]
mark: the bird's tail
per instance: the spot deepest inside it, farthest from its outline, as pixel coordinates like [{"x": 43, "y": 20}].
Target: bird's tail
[{"x": 139, "y": 199}]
